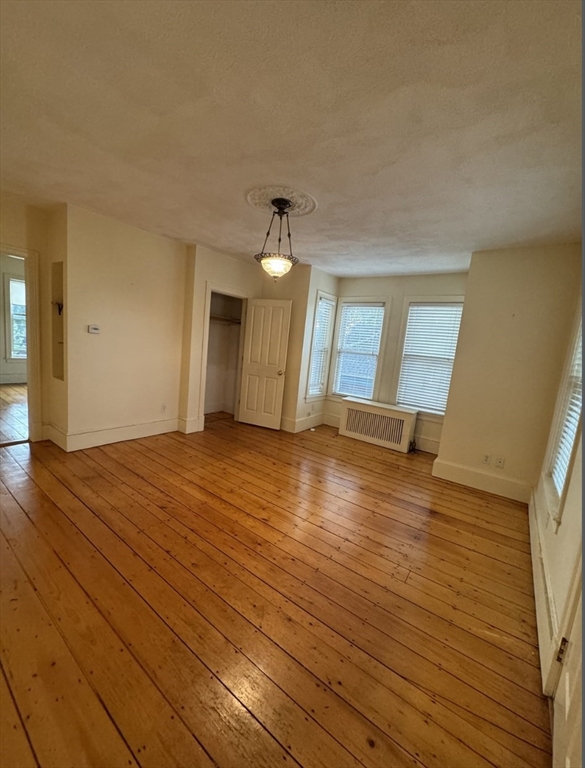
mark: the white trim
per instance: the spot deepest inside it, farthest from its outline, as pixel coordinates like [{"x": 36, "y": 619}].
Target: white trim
[
  {"x": 427, "y": 444},
  {"x": 483, "y": 481},
  {"x": 33, "y": 337},
  {"x": 190, "y": 425},
  {"x": 386, "y": 302},
  {"x": 550, "y": 627},
  {"x": 300, "y": 425},
  {"x": 55, "y": 435},
  {"x": 82, "y": 440}
]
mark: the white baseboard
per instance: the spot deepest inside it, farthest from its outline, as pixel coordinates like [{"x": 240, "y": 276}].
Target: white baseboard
[
  {"x": 427, "y": 444},
  {"x": 12, "y": 378},
  {"x": 300, "y": 425},
  {"x": 83, "y": 440},
  {"x": 483, "y": 481},
  {"x": 331, "y": 420},
  {"x": 190, "y": 425},
  {"x": 55, "y": 435}
]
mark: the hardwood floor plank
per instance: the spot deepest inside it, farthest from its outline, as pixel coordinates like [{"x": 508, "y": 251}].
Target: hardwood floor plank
[
  {"x": 15, "y": 748},
  {"x": 278, "y": 598},
  {"x": 455, "y": 752},
  {"x": 518, "y": 668},
  {"x": 184, "y": 513},
  {"x": 344, "y": 532},
  {"x": 412, "y": 663},
  {"x": 228, "y": 732},
  {"x": 154, "y": 730},
  {"x": 66, "y": 723}
]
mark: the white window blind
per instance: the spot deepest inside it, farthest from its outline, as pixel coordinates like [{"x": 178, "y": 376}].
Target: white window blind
[
  {"x": 571, "y": 405},
  {"x": 321, "y": 348},
  {"x": 428, "y": 354},
  {"x": 358, "y": 346}
]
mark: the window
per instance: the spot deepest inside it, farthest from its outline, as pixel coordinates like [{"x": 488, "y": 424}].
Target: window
[
  {"x": 428, "y": 354},
  {"x": 321, "y": 347},
  {"x": 569, "y": 417},
  {"x": 15, "y": 319},
  {"x": 358, "y": 347}
]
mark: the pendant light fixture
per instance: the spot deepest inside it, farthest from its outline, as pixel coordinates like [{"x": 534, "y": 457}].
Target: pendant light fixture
[{"x": 277, "y": 263}]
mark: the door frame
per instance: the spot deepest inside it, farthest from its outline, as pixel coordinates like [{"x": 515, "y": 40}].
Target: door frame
[
  {"x": 33, "y": 337},
  {"x": 211, "y": 287}
]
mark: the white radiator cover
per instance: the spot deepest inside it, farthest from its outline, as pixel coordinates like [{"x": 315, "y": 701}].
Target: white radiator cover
[{"x": 388, "y": 425}]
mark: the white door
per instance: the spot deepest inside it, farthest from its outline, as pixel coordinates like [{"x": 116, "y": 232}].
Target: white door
[
  {"x": 567, "y": 736},
  {"x": 264, "y": 363}
]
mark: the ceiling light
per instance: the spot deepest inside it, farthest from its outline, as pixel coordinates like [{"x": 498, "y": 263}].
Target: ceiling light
[{"x": 277, "y": 263}]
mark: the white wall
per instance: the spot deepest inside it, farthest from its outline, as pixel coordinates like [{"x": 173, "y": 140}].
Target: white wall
[
  {"x": 11, "y": 371},
  {"x": 397, "y": 291},
  {"x": 519, "y": 305},
  {"x": 124, "y": 382}
]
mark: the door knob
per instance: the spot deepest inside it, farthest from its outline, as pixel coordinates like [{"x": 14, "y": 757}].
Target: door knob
[{"x": 280, "y": 373}]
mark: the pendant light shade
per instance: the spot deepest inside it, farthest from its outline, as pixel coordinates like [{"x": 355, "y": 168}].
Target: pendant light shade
[{"x": 276, "y": 263}]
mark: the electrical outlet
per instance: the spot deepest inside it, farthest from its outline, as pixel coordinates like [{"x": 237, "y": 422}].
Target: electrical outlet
[
  {"x": 487, "y": 459},
  {"x": 499, "y": 462}
]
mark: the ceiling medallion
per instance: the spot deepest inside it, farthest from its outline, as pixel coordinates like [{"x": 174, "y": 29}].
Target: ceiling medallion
[{"x": 301, "y": 203}]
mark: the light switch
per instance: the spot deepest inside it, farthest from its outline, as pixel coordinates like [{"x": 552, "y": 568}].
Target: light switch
[{"x": 93, "y": 329}]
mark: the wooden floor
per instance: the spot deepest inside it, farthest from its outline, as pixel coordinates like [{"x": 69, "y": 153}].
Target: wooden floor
[
  {"x": 13, "y": 413},
  {"x": 241, "y": 597}
]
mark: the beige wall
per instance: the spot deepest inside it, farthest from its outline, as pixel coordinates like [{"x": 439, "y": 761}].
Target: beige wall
[
  {"x": 519, "y": 305},
  {"x": 124, "y": 381},
  {"x": 397, "y": 291}
]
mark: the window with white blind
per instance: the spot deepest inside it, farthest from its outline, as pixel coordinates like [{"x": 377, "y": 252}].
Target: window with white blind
[
  {"x": 358, "y": 348},
  {"x": 15, "y": 317},
  {"x": 571, "y": 401},
  {"x": 321, "y": 346},
  {"x": 428, "y": 353}
]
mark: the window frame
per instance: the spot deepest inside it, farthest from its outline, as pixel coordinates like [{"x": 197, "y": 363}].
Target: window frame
[
  {"x": 556, "y": 501},
  {"x": 333, "y": 299},
  {"x": 408, "y": 300},
  {"x": 385, "y": 302},
  {"x": 8, "y": 350}
]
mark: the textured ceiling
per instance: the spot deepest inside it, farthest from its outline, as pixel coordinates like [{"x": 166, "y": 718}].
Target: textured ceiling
[{"x": 425, "y": 130}]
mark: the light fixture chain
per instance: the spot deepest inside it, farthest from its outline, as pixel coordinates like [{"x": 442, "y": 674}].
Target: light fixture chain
[
  {"x": 289, "y": 236},
  {"x": 279, "y": 231},
  {"x": 268, "y": 233}
]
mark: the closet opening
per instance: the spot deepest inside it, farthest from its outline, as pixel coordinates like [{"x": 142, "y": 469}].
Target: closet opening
[{"x": 222, "y": 381}]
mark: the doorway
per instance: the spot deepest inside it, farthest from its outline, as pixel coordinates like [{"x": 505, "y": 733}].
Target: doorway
[
  {"x": 223, "y": 357},
  {"x": 14, "y": 373}
]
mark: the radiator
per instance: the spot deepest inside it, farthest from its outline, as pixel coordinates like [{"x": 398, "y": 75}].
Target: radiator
[{"x": 388, "y": 425}]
